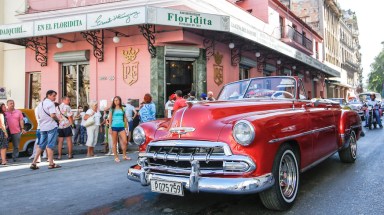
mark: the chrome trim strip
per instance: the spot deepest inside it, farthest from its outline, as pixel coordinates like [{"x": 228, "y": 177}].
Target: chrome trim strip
[
  {"x": 302, "y": 134},
  {"x": 196, "y": 183},
  {"x": 182, "y": 117},
  {"x": 190, "y": 143},
  {"x": 317, "y": 162}
]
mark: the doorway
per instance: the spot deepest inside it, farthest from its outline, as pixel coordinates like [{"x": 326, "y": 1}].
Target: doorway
[
  {"x": 178, "y": 76},
  {"x": 75, "y": 83}
]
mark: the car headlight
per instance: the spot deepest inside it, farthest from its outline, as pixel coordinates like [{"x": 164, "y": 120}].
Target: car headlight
[
  {"x": 138, "y": 135},
  {"x": 243, "y": 132}
]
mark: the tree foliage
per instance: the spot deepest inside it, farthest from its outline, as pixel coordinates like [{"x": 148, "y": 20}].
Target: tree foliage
[{"x": 376, "y": 76}]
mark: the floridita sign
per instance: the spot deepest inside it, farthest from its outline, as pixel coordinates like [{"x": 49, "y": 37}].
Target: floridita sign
[
  {"x": 63, "y": 25},
  {"x": 164, "y": 16}
]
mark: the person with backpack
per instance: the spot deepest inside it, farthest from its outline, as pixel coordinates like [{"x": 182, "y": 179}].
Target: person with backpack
[{"x": 117, "y": 122}]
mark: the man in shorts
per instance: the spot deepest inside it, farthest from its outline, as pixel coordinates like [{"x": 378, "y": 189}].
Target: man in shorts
[
  {"x": 48, "y": 122},
  {"x": 65, "y": 126}
]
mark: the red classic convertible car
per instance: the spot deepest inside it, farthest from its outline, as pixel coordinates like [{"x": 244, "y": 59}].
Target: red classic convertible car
[{"x": 257, "y": 138}]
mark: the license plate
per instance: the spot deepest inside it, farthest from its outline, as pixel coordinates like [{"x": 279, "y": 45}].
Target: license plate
[{"x": 173, "y": 188}]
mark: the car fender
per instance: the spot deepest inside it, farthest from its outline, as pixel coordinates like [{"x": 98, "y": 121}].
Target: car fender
[{"x": 349, "y": 121}]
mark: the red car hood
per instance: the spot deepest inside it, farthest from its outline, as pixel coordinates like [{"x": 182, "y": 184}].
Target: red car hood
[{"x": 204, "y": 121}]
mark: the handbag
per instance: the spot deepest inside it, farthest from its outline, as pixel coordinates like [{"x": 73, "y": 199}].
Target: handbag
[{"x": 90, "y": 121}]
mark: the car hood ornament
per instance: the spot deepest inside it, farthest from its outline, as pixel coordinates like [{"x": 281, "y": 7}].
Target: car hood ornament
[{"x": 181, "y": 130}]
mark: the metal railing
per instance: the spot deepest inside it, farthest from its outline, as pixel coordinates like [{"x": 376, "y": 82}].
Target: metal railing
[{"x": 300, "y": 38}]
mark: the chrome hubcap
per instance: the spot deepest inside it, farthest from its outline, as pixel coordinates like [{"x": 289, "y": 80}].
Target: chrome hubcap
[{"x": 288, "y": 176}]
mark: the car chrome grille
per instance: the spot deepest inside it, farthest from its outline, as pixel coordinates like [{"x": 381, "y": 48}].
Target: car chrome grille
[{"x": 176, "y": 157}]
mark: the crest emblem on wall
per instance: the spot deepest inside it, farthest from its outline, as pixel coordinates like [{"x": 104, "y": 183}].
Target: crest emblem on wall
[
  {"x": 218, "y": 69},
  {"x": 130, "y": 68}
]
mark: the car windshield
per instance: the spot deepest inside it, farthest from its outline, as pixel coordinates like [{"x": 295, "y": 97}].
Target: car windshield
[
  {"x": 270, "y": 87},
  {"x": 234, "y": 90}
]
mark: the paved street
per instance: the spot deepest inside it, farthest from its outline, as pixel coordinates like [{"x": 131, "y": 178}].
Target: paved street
[{"x": 99, "y": 186}]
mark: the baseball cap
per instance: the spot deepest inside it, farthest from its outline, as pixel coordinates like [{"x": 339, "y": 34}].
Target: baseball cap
[{"x": 172, "y": 97}]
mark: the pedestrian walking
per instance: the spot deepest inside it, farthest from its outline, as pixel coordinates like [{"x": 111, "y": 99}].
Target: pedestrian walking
[
  {"x": 3, "y": 137},
  {"x": 83, "y": 130},
  {"x": 77, "y": 121},
  {"x": 180, "y": 101},
  {"x": 203, "y": 97},
  {"x": 147, "y": 110},
  {"x": 192, "y": 96},
  {"x": 169, "y": 105},
  {"x": 130, "y": 114},
  {"x": 92, "y": 130},
  {"x": 48, "y": 129},
  {"x": 15, "y": 122},
  {"x": 101, "y": 135},
  {"x": 210, "y": 96},
  {"x": 117, "y": 122},
  {"x": 65, "y": 116}
]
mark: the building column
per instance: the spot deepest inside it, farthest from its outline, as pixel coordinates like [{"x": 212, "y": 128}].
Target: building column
[
  {"x": 158, "y": 80},
  {"x": 200, "y": 81}
]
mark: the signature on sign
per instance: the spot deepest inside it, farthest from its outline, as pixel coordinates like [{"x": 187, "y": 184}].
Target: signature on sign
[{"x": 105, "y": 20}]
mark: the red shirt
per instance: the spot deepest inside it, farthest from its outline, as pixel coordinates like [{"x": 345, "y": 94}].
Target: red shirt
[
  {"x": 179, "y": 103},
  {"x": 13, "y": 119}
]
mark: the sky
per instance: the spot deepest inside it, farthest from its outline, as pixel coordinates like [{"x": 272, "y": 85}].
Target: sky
[{"x": 369, "y": 15}]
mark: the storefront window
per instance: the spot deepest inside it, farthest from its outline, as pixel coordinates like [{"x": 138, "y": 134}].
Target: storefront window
[
  {"x": 75, "y": 83},
  {"x": 34, "y": 89}
]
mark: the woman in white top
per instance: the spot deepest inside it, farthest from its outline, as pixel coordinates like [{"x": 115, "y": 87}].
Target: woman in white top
[{"x": 92, "y": 130}]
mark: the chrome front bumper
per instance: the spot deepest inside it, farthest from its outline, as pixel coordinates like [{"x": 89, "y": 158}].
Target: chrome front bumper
[{"x": 196, "y": 183}]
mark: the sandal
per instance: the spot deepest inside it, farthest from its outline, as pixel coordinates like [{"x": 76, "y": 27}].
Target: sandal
[
  {"x": 53, "y": 166},
  {"x": 117, "y": 160},
  {"x": 127, "y": 158},
  {"x": 33, "y": 167},
  {"x": 4, "y": 164},
  {"x": 70, "y": 156}
]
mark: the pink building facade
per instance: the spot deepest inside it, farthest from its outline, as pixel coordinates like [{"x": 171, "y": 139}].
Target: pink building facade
[{"x": 99, "y": 49}]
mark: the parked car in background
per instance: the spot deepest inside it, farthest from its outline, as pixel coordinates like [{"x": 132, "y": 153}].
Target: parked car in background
[
  {"x": 343, "y": 102},
  {"x": 245, "y": 142},
  {"x": 356, "y": 105},
  {"x": 27, "y": 140}
]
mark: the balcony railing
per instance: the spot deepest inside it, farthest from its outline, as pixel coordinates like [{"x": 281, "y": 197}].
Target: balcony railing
[
  {"x": 300, "y": 38},
  {"x": 345, "y": 42}
]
